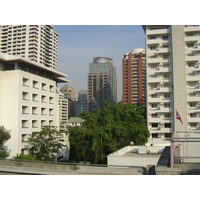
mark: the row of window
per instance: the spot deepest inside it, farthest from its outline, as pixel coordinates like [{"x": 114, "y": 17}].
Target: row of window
[
  {"x": 168, "y": 105},
  {"x": 169, "y": 125},
  {"x": 36, "y": 110},
  {"x": 36, "y": 123},
  {"x": 35, "y": 97},
  {"x": 35, "y": 84}
]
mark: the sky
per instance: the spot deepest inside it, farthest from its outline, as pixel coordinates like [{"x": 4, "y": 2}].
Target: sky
[{"x": 79, "y": 44}]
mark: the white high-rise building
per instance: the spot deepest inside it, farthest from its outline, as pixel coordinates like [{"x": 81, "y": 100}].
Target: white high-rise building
[
  {"x": 38, "y": 43},
  {"x": 29, "y": 99},
  {"x": 173, "y": 82}
]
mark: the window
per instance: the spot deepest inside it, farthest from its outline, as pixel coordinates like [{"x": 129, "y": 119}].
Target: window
[
  {"x": 44, "y": 86},
  {"x": 166, "y": 95},
  {"x": 154, "y": 96},
  {"x": 166, "y": 105},
  {"x": 24, "y": 124},
  {"x": 51, "y": 88},
  {"x": 35, "y": 84},
  {"x": 167, "y": 125},
  {"x": 153, "y": 48},
  {"x": 50, "y": 122},
  {"x": 192, "y": 104},
  {"x": 50, "y": 111},
  {"x": 50, "y": 99},
  {"x": 25, "y": 95},
  {"x": 152, "y": 38},
  {"x": 24, "y": 138},
  {"x": 34, "y": 110},
  {"x": 34, "y": 124},
  {"x": 43, "y": 123},
  {"x": 168, "y": 135},
  {"x": 154, "y": 125},
  {"x": 154, "y": 115},
  {"x": 193, "y": 115},
  {"x": 191, "y": 64},
  {"x": 34, "y": 97},
  {"x": 154, "y": 105},
  {"x": 43, "y": 98},
  {"x": 24, "y": 109},
  {"x": 165, "y": 56},
  {"x": 43, "y": 111},
  {"x": 165, "y": 75},
  {"x": 167, "y": 115},
  {"x": 154, "y": 135},
  {"x": 193, "y": 125},
  {"x": 165, "y": 37},
  {"x": 25, "y": 82},
  {"x": 190, "y": 45}
]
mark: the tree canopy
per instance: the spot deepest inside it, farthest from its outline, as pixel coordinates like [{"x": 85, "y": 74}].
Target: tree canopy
[
  {"x": 4, "y": 137},
  {"x": 46, "y": 144},
  {"x": 106, "y": 131}
]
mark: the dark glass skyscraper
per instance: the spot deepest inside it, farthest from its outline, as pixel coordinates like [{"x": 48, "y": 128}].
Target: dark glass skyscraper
[{"x": 102, "y": 82}]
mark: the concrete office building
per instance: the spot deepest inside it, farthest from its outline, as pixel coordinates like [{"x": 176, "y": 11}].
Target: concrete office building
[
  {"x": 173, "y": 84},
  {"x": 28, "y": 99},
  {"x": 134, "y": 77},
  {"x": 82, "y": 103},
  {"x": 102, "y": 82},
  {"x": 38, "y": 43},
  {"x": 70, "y": 94}
]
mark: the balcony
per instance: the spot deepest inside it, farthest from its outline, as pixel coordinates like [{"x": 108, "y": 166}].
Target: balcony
[
  {"x": 193, "y": 98},
  {"x": 193, "y": 119},
  {"x": 189, "y": 28},
  {"x": 154, "y": 80},
  {"x": 194, "y": 38},
  {"x": 153, "y": 59},
  {"x": 154, "y": 41},
  {"x": 192, "y": 77},
  {"x": 192, "y": 57},
  {"x": 154, "y": 100},
  {"x": 157, "y": 31}
]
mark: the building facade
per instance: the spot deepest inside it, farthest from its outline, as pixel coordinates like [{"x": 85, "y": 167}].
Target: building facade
[
  {"x": 29, "y": 99},
  {"x": 70, "y": 94},
  {"x": 38, "y": 43},
  {"x": 102, "y": 82},
  {"x": 82, "y": 103},
  {"x": 134, "y": 77},
  {"x": 63, "y": 109},
  {"x": 173, "y": 84}
]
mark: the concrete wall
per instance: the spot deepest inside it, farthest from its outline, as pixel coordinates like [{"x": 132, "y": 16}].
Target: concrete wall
[{"x": 48, "y": 168}]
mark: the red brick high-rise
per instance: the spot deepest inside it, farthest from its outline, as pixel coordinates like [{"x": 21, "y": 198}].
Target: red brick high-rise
[{"x": 134, "y": 77}]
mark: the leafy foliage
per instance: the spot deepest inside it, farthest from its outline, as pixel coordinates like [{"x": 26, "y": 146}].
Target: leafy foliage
[
  {"x": 46, "y": 143},
  {"x": 4, "y": 137},
  {"x": 106, "y": 131},
  {"x": 23, "y": 157}
]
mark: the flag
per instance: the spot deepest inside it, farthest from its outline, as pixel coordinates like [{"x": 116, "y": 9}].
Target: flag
[{"x": 179, "y": 117}]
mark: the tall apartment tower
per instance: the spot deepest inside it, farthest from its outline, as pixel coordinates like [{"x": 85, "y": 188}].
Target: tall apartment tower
[
  {"x": 102, "y": 82},
  {"x": 134, "y": 77},
  {"x": 173, "y": 83},
  {"x": 38, "y": 43}
]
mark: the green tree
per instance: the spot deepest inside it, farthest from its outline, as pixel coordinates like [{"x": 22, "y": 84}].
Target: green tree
[
  {"x": 4, "y": 137},
  {"x": 108, "y": 130},
  {"x": 46, "y": 144}
]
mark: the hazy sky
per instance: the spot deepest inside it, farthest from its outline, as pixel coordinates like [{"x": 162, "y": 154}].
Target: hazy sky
[{"x": 78, "y": 44}]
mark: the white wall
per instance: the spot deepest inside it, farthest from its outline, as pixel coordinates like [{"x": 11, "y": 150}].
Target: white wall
[{"x": 11, "y": 103}]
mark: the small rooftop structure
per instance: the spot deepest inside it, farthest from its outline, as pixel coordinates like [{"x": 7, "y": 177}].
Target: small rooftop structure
[{"x": 75, "y": 121}]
